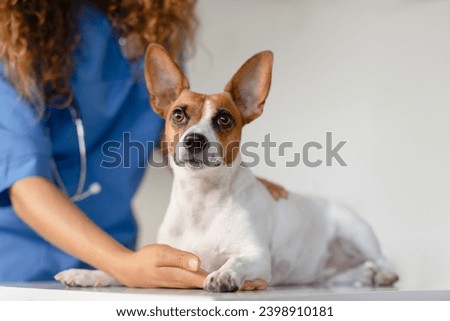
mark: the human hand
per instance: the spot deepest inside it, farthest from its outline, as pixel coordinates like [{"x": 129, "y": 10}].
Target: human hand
[
  {"x": 161, "y": 266},
  {"x": 277, "y": 191}
]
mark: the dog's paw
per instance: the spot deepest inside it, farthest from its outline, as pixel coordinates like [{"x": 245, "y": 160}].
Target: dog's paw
[
  {"x": 222, "y": 281},
  {"x": 375, "y": 276},
  {"x": 385, "y": 278},
  {"x": 86, "y": 278},
  {"x": 365, "y": 274}
]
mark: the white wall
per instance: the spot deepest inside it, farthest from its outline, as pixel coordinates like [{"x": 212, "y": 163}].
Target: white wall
[{"x": 377, "y": 75}]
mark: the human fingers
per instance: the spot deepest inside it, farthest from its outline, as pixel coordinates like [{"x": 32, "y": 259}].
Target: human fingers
[
  {"x": 173, "y": 277},
  {"x": 168, "y": 256}
]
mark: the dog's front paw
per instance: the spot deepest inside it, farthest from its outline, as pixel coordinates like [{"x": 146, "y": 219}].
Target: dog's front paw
[
  {"x": 86, "y": 278},
  {"x": 222, "y": 281}
]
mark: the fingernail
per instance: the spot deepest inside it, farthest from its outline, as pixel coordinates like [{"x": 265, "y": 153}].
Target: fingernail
[{"x": 193, "y": 263}]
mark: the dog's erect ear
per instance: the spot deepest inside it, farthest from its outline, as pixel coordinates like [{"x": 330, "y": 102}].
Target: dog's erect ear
[
  {"x": 250, "y": 85},
  {"x": 165, "y": 80}
]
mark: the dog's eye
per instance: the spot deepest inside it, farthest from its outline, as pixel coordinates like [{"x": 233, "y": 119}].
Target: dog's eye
[
  {"x": 224, "y": 120},
  {"x": 178, "y": 116}
]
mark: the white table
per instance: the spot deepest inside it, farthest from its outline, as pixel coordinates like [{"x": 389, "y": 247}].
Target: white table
[{"x": 56, "y": 291}]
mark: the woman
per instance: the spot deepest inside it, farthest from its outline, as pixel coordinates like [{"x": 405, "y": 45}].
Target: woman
[{"x": 71, "y": 79}]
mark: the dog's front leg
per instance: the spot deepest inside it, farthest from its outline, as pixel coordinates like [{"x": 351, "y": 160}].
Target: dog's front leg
[{"x": 236, "y": 271}]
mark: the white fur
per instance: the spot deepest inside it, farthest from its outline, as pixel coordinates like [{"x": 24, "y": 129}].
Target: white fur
[
  {"x": 229, "y": 219},
  {"x": 86, "y": 278}
]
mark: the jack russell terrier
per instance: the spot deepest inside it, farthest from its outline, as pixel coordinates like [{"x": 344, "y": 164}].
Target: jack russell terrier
[{"x": 221, "y": 212}]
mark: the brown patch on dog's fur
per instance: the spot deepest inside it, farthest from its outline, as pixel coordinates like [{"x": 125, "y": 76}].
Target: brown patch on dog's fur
[
  {"x": 193, "y": 104},
  {"x": 229, "y": 139}
]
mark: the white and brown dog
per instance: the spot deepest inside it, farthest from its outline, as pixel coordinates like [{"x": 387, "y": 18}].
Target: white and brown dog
[{"x": 221, "y": 212}]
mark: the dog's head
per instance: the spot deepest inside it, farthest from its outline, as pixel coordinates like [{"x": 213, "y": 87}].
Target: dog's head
[{"x": 205, "y": 130}]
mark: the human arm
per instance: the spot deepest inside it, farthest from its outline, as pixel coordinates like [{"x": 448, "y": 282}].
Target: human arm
[{"x": 50, "y": 213}]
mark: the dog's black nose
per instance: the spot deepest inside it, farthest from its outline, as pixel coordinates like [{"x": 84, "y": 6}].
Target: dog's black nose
[{"x": 195, "y": 143}]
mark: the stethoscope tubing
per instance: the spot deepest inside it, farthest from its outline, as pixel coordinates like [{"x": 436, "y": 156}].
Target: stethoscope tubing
[{"x": 94, "y": 188}]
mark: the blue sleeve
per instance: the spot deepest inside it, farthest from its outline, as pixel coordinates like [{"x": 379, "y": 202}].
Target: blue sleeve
[{"x": 25, "y": 149}]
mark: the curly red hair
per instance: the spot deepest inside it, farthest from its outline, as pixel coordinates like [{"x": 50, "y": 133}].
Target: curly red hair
[{"x": 38, "y": 37}]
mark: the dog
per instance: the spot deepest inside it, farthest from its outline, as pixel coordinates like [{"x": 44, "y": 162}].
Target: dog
[{"x": 221, "y": 212}]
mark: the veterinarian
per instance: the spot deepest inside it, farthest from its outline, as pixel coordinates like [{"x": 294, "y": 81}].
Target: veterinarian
[{"x": 71, "y": 79}]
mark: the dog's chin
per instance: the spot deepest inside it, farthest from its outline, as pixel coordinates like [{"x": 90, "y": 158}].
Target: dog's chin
[
  {"x": 193, "y": 164},
  {"x": 196, "y": 164}
]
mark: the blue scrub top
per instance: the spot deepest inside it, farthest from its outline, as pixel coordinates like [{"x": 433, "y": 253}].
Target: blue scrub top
[{"x": 114, "y": 102}]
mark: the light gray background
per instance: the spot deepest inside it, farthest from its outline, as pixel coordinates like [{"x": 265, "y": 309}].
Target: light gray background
[{"x": 376, "y": 74}]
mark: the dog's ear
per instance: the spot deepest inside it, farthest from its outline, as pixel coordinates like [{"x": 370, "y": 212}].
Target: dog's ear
[
  {"x": 250, "y": 85},
  {"x": 165, "y": 80}
]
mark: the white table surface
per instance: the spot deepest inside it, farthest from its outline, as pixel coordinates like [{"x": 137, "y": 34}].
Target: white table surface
[{"x": 56, "y": 291}]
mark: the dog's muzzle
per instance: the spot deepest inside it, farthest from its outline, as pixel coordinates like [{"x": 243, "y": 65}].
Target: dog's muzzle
[{"x": 197, "y": 152}]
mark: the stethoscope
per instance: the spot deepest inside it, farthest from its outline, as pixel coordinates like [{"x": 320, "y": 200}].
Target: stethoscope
[{"x": 95, "y": 187}]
